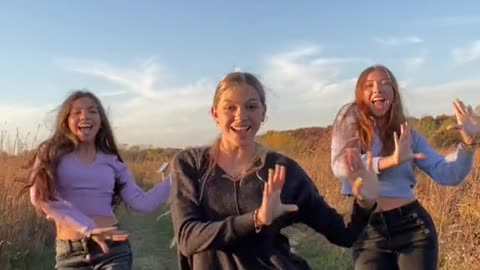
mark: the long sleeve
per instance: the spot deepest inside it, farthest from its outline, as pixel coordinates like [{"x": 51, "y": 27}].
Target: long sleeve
[
  {"x": 60, "y": 210},
  {"x": 446, "y": 170},
  {"x": 317, "y": 214},
  {"x": 345, "y": 135},
  {"x": 64, "y": 213},
  {"x": 194, "y": 233},
  {"x": 136, "y": 197}
]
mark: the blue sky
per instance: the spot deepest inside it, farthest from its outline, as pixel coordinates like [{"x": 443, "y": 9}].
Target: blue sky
[{"x": 155, "y": 64}]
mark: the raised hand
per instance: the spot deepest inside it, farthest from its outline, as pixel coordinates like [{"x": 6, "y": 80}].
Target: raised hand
[
  {"x": 363, "y": 179},
  {"x": 272, "y": 207},
  {"x": 403, "y": 146},
  {"x": 467, "y": 122},
  {"x": 102, "y": 234}
]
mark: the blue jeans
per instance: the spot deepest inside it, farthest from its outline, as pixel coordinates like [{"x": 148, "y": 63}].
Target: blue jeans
[
  {"x": 403, "y": 238},
  {"x": 85, "y": 254}
]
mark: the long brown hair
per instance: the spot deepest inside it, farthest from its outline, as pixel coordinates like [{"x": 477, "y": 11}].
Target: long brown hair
[
  {"x": 395, "y": 115},
  {"x": 43, "y": 166},
  {"x": 231, "y": 81}
]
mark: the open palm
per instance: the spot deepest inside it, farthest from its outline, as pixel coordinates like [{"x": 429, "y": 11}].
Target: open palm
[
  {"x": 363, "y": 179},
  {"x": 403, "y": 146},
  {"x": 272, "y": 206},
  {"x": 467, "y": 122}
]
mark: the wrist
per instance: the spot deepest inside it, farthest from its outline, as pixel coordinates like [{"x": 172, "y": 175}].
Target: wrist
[
  {"x": 388, "y": 162},
  {"x": 469, "y": 147},
  {"x": 366, "y": 204},
  {"x": 256, "y": 222}
]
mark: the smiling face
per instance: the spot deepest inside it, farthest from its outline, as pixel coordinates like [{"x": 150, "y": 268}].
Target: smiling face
[
  {"x": 84, "y": 119},
  {"x": 377, "y": 92},
  {"x": 239, "y": 112}
]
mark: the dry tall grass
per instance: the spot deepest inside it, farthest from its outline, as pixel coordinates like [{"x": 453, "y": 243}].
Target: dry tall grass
[
  {"x": 456, "y": 210},
  {"x": 22, "y": 232}
]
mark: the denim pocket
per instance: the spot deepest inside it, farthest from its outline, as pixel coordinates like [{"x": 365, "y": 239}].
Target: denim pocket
[{"x": 62, "y": 249}]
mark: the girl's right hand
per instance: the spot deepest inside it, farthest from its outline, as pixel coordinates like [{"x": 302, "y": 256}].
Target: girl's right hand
[
  {"x": 101, "y": 234},
  {"x": 403, "y": 147}
]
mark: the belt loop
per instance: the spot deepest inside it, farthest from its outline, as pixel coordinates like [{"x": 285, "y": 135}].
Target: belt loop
[
  {"x": 84, "y": 242},
  {"x": 69, "y": 246}
]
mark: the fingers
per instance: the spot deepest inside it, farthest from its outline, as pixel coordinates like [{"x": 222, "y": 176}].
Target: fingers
[
  {"x": 369, "y": 160},
  {"x": 405, "y": 133},
  {"x": 458, "y": 110},
  {"x": 119, "y": 236},
  {"x": 463, "y": 108},
  {"x": 270, "y": 181},
  {"x": 470, "y": 111},
  {"x": 395, "y": 140},
  {"x": 101, "y": 243},
  {"x": 101, "y": 230},
  {"x": 289, "y": 208},
  {"x": 402, "y": 131},
  {"x": 276, "y": 177},
  {"x": 419, "y": 156},
  {"x": 458, "y": 127},
  {"x": 408, "y": 132},
  {"x": 357, "y": 186},
  {"x": 281, "y": 176}
]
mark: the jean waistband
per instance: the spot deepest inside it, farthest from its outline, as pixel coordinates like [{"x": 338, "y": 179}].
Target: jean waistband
[{"x": 399, "y": 212}]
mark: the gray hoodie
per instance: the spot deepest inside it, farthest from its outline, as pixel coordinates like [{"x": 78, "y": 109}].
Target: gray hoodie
[{"x": 212, "y": 215}]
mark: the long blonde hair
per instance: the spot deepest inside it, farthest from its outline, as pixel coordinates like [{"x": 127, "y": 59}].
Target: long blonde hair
[{"x": 231, "y": 81}]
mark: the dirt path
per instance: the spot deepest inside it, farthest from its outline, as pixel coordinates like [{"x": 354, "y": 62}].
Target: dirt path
[{"x": 150, "y": 239}]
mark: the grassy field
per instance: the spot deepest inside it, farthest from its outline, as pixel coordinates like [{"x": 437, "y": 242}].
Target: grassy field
[{"x": 26, "y": 241}]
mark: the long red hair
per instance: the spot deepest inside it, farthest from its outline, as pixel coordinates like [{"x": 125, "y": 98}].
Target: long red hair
[{"x": 394, "y": 116}]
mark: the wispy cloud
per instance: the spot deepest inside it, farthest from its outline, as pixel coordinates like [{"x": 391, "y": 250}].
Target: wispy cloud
[
  {"x": 304, "y": 87},
  {"x": 436, "y": 99},
  {"x": 412, "y": 64},
  {"x": 139, "y": 81},
  {"x": 467, "y": 54},
  {"x": 302, "y": 82},
  {"x": 157, "y": 112},
  {"x": 308, "y": 84},
  {"x": 396, "y": 41}
]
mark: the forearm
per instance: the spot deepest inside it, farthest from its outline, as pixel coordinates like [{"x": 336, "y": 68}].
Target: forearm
[
  {"x": 146, "y": 202},
  {"x": 387, "y": 162},
  {"x": 195, "y": 236}
]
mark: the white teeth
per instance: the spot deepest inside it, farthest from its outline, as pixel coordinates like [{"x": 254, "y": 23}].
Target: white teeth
[
  {"x": 241, "y": 129},
  {"x": 85, "y": 126}
]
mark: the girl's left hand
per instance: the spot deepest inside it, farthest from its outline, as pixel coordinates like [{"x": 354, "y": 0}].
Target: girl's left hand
[
  {"x": 364, "y": 180},
  {"x": 467, "y": 122}
]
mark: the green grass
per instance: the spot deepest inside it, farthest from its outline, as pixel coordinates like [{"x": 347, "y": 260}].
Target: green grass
[
  {"x": 150, "y": 239},
  {"x": 319, "y": 253},
  {"x": 151, "y": 236}
]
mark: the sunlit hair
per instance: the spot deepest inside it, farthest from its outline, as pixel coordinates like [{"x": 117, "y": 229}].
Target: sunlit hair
[
  {"x": 62, "y": 142},
  {"x": 365, "y": 119},
  {"x": 232, "y": 81}
]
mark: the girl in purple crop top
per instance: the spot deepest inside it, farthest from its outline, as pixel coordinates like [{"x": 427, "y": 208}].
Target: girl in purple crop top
[{"x": 77, "y": 177}]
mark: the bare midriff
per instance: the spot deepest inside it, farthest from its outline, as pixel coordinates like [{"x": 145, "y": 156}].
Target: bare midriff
[{"x": 67, "y": 233}]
